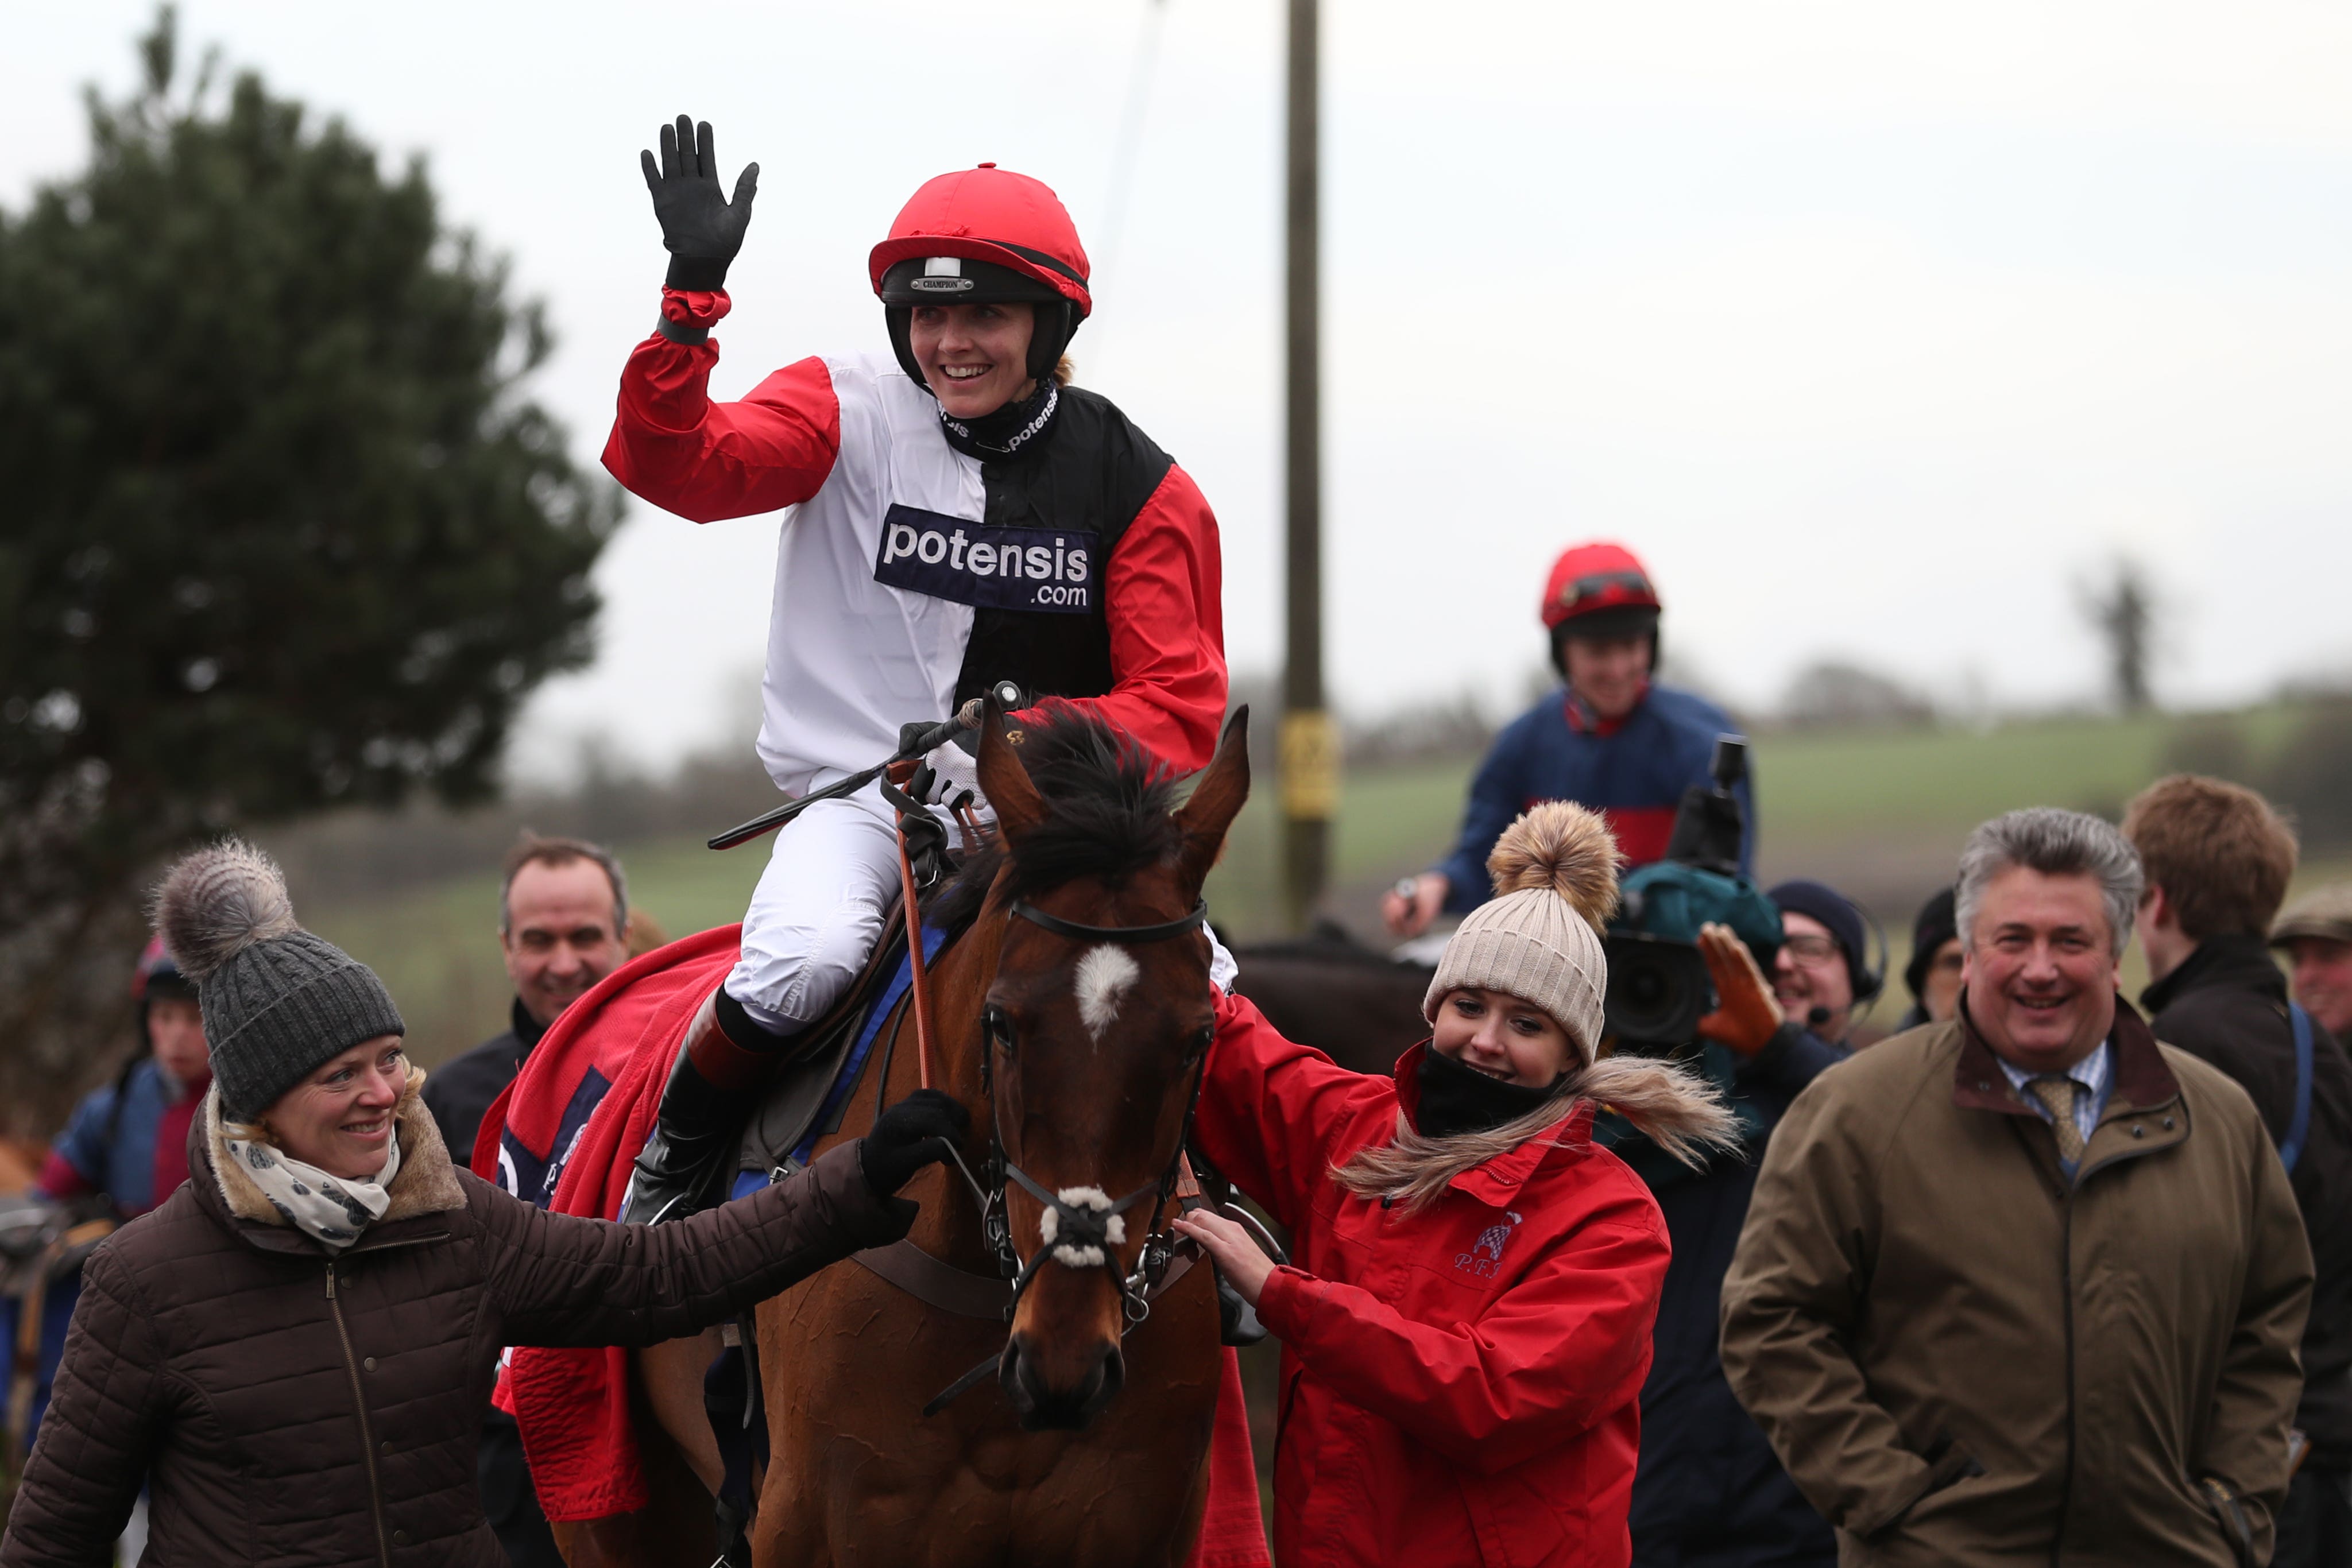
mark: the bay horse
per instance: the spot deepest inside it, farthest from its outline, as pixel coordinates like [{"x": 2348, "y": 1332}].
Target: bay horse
[
  {"x": 1355, "y": 1004},
  {"x": 1072, "y": 1018}
]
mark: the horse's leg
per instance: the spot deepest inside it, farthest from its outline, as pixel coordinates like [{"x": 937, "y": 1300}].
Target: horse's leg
[
  {"x": 669, "y": 1377},
  {"x": 677, "y": 1526},
  {"x": 856, "y": 1473}
]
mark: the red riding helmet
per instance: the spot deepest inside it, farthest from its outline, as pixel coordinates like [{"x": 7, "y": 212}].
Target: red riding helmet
[
  {"x": 984, "y": 236},
  {"x": 1598, "y": 589},
  {"x": 1596, "y": 578},
  {"x": 158, "y": 978}
]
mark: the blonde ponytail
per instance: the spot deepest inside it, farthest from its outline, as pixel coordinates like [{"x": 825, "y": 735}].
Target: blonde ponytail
[{"x": 1677, "y": 1109}]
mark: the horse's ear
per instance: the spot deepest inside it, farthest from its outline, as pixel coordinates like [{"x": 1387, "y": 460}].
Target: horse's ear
[
  {"x": 1217, "y": 797},
  {"x": 1018, "y": 806}
]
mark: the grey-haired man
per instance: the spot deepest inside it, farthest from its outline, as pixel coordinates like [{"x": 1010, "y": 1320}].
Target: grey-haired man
[{"x": 2027, "y": 1283}]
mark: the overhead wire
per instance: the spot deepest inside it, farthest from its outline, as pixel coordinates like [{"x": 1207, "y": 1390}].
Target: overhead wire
[{"x": 1126, "y": 149}]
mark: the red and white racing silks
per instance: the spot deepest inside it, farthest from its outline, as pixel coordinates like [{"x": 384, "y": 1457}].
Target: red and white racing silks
[{"x": 890, "y": 553}]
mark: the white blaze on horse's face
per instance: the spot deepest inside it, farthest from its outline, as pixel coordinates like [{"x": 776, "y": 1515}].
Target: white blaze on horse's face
[
  {"x": 1104, "y": 976},
  {"x": 1049, "y": 1224}
]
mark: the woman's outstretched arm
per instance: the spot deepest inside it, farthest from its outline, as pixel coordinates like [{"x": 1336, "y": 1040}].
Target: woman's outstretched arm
[
  {"x": 1272, "y": 1111},
  {"x": 566, "y": 1280}
]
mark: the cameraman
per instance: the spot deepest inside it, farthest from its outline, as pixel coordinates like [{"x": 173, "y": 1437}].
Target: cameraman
[
  {"x": 1822, "y": 975},
  {"x": 1691, "y": 928},
  {"x": 1612, "y": 741}
]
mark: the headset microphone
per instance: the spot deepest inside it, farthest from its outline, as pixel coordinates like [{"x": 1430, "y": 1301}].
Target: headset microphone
[{"x": 1817, "y": 1015}]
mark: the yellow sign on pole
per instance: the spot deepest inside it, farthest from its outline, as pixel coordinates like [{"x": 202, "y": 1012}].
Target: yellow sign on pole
[{"x": 1311, "y": 766}]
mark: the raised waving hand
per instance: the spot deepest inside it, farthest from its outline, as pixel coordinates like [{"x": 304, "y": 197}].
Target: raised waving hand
[{"x": 700, "y": 227}]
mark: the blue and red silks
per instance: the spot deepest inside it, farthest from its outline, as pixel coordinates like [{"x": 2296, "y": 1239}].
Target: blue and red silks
[{"x": 564, "y": 1135}]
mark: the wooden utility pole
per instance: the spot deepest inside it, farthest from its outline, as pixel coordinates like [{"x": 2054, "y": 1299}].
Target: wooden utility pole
[{"x": 1309, "y": 769}]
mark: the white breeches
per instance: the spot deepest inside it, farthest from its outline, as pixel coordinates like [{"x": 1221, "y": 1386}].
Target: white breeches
[
  {"x": 818, "y": 912},
  {"x": 821, "y": 908}
]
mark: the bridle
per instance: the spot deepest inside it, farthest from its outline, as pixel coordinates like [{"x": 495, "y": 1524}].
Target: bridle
[
  {"x": 1082, "y": 1227},
  {"x": 1077, "y": 1227}
]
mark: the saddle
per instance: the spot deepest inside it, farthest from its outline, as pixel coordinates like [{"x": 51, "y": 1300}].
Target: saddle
[{"x": 805, "y": 1101}]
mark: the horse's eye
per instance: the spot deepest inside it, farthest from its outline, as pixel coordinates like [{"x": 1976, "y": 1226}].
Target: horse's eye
[
  {"x": 1198, "y": 1046},
  {"x": 999, "y": 1027}
]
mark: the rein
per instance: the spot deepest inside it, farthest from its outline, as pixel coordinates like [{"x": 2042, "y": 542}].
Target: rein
[{"x": 1082, "y": 1227}]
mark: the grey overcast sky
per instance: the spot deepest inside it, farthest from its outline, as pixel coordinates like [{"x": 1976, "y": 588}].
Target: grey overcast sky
[{"x": 1875, "y": 328}]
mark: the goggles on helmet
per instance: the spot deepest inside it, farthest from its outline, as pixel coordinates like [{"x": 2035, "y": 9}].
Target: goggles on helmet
[{"x": 1607, "y": 591}]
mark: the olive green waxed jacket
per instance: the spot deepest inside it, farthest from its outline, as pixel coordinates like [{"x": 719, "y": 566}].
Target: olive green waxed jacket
[{"x": 1964, "y": 1358}]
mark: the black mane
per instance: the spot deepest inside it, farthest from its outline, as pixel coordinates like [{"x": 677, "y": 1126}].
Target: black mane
[{"x": 1109, "y": 807}]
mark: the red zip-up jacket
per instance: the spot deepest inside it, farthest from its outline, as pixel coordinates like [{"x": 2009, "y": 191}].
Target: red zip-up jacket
[{"x": 1461, "y": 1385}]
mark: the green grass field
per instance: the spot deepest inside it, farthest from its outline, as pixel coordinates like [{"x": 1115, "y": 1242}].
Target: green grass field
[{"x": 1881, "y": 815}]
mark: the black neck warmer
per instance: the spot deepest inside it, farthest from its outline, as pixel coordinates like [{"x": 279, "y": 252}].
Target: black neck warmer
[
  {"x": 1013, "y": 431},
  {"x": 1458, "y": 1099}
]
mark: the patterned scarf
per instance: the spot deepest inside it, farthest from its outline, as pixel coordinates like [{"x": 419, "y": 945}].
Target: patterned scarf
[{"x": 329, "y": 1211}]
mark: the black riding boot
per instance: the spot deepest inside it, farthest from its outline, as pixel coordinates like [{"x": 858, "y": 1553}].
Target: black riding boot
[{"x": 710, "y": 1089}]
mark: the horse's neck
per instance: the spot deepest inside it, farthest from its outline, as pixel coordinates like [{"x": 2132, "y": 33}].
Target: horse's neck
[{"x": 957, "y": 984}]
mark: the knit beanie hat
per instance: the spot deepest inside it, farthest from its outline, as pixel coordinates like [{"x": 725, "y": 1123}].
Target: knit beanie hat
[
  {"x": 1939, "y": 923},
  {"x": 278, "y": 1001},
  {"x": 1538, "y": 938},
  {"x": 1838, "y": 915}
]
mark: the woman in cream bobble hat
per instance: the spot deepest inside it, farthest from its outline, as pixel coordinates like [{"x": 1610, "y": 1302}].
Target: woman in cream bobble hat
[{"x": 1465, "y": 1325}]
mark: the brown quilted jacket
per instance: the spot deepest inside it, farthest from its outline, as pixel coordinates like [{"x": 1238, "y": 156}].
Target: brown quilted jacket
[{"x": 294, "y": 1410}]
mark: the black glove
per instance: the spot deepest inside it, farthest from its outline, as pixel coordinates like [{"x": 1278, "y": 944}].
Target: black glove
[
  {"x": 915, "y": 1132},
  {"x": 701, "y": 231}
]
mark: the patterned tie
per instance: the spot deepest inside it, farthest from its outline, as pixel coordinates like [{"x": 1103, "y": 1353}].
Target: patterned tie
[{"x": 2057, "y": 1092}]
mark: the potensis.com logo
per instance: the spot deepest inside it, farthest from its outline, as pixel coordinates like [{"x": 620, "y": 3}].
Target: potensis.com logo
[{"x": 995, "y": 569}]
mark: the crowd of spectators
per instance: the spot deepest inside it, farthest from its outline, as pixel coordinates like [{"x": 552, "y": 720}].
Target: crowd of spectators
[{"x": 2043, "y": 1273}]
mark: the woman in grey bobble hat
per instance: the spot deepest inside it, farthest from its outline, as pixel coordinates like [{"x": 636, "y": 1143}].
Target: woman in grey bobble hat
[
  {"x": 295, "y": 1350},
  {"x": 1465, "y": 1325}
]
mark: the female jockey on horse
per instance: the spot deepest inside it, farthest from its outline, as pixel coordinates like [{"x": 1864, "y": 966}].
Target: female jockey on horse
[{"x": 961, "y": 516}]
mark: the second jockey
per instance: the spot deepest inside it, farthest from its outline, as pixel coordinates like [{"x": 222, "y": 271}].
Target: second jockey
[{"x": 958, "y": 516}]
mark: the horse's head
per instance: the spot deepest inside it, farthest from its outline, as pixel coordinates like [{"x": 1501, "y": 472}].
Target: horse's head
[{"x": 1095, "y": 1038}]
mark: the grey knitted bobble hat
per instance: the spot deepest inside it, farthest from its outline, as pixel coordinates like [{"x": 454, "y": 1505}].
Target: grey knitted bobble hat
[
  {"x": 278, "y": 1001},
  {"x": 1555, "y": 873}
]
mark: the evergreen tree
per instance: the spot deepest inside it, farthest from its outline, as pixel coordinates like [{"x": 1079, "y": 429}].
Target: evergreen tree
[{"x": 280, "y": 532}]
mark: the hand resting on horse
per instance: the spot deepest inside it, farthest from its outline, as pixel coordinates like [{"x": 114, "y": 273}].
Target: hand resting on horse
[
  {"x": 1239, "y": 1258},
  {"x": 918, "y": 1131}
]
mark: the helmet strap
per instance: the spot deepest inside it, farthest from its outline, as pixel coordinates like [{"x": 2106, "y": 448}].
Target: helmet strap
[
  {"x": 900, "y": 321},
  {"x": 1057, "y": 324}
]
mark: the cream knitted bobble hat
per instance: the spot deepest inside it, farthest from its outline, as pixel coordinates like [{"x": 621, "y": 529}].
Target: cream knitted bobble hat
[{"x": 1555, "y": 873}]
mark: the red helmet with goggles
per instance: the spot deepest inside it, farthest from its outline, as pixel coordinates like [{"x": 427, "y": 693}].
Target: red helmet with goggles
[
  {"x": 1603, "y": 587},
  {"x": 1598, "y": 591},
  {"x": 985, "y": 236}
]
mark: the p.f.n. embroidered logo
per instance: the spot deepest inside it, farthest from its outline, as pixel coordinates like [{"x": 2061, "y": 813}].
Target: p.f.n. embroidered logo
[{"x": 1486, "y": 1254}]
